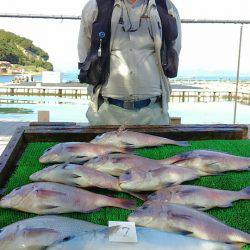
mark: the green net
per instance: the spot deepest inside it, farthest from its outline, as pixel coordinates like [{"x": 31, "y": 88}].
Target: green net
[{"x": 237, "y": 216}]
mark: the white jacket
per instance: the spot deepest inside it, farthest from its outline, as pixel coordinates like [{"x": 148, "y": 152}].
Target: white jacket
[{"x": 89, "y": 15}]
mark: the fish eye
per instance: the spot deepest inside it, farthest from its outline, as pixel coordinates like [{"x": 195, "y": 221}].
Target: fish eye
[
  {"x": 153, "y": 195},
  {"x": 47, "y": 149},
  {"x": 144, "y": 207},
  {"x": 64, "y": 166},
  {"x": 127, "y": 172},
  {"x": 68, "y": 238}
]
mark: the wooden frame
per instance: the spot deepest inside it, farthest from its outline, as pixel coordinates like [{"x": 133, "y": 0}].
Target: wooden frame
[{"x": 57, "y": 132}]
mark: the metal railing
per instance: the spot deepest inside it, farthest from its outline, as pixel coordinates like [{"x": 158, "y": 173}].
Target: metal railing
[
  {"x": 72, "y": 17},
  {"x": 186, "y": 21}
]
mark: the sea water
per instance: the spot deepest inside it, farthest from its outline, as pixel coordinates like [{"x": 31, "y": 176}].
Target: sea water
[{"x": 62, "y": 109}]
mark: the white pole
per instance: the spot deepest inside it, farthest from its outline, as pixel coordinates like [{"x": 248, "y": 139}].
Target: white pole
[{"x": 238, "y": 75}]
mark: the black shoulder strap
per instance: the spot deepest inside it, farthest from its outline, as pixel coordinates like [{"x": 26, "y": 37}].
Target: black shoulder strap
[
  {"x": 101, "y": 28},
  {"x": 162, "y": 4}
]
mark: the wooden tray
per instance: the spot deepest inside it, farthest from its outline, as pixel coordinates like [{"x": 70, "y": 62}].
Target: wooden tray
[{"x": 63, "y": 132}]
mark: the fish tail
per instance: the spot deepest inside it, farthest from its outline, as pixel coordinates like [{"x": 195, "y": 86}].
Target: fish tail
[
  {"x": 182, "y": 143},
  {"x": 2, "y": 191},
  {"x": 245, "y": 193},
  {"x": 241, "y": 237},
  {"x": 126, "y": 204}
]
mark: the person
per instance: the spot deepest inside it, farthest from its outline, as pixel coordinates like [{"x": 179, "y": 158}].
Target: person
[{"x": 136, "y": 89}]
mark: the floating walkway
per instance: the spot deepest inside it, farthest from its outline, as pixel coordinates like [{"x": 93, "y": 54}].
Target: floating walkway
[{"x": 180, "y": 95}]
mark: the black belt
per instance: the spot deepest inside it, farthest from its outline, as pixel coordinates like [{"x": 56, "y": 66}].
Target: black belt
[{"x": 132, "y": 105}]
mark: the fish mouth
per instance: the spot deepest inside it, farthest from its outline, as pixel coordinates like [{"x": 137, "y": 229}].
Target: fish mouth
[
  {"x": 4, "y": 202},
  {"x": 43, "y": 159},
  {"x": 131, "y": 218},
  {"x": 36, "y": 177},
  {"x": 48, "y": 158}
]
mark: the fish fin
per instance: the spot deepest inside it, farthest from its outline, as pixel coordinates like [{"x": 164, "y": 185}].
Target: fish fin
[
  {"x": 73, "y": 148},
  {"x": 213, "y": 173},
  {"x": 184, "y": 232},
  {"x": 175, "y": 160},
  {"x": 126, "y": 204},
  {"x": 186, "y": 192},
  {"x": 43, "y": 193},
  {"x": 128, "y": 150},
  {"x": 92, "y": 211},
  {"x": 197, "y": 207},
  {"x": 202, "y": 173},
  {"x": 47, "y": 207},
  {"x": 78, "y": 158},
  {"x": 183, "y": 143},
  {"x": 117, "y": 159},
  {"x": 32, "y": 232},
  {"x": 247, "y": 168},
  {"x": 121, "y": 128},
  {"x": 215, "y": 165},
  {"x": 237, "y": 245},
  {"x": 75, "y": 176},
  {"x": 127, "y": 144},
  {"x": 174, "y": 215},
  {"x": 111, "y": 230},
  {"x": 58, "y": 242},
  {"x": 82, "y": 162},
  {"x": 169, "y": 184},
  {"x": 74, "y": 184},
  {"x": 142, "y": 197},
  {"x": 245, "y": 193},
  {"x": 230, "y": 204}
]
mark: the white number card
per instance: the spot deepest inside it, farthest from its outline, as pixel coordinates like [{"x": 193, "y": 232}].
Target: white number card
[{"x": 126, "y": 232}]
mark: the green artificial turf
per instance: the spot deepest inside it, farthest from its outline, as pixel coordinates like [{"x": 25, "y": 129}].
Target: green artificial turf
[{"x": 237, "y": 216}]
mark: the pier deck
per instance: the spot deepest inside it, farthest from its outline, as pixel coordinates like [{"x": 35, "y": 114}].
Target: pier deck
[{"x": 178, "y": 92}]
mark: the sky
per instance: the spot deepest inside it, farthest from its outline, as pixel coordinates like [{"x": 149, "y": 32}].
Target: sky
[{"x": 206, "y": 48}]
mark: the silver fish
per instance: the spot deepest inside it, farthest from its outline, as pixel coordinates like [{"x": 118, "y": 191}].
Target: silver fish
[
  {"x": 125, "y": 138},
  {"x": 209, "y": 161},
  {"x": 148, "y": 239},
  {"x": 185, "y": 220},
  {"x": 201, "y": 198},
  {"x": 117, "y": 164},
  {"x": 137, "y": 180},
  {"x": 76, "y": 152},
  {"x": 53, "y": 198},
  {"x": 79, "y": 176},
  {"x": 31, "y": 239},
  {"x": 76, "y": 175},
  {"x": 41, "y": 231}
]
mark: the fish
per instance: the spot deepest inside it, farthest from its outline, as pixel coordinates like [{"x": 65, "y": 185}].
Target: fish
[
  {"x": 76, "y": 175},
  {"x": 201, "y": 198},
  {"x": 147, "y": 239},
  {"x": 125, "y": 138},
  {"x": 53, "y": 198},
  {"x": 41, "y": 231},
  {"x": 78, "y": 152},
  {"x": 138, "y": 181},
  {"x": 187, "y": 221},
  {"x": 26, "y": 238},
  {"x": 118, "y": 164},
  {"x": 209, "y": 161},
  {"x": 79, "y": 176}
]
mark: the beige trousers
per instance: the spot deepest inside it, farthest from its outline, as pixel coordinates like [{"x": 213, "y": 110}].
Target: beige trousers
[{"x": 112, "y": 115}]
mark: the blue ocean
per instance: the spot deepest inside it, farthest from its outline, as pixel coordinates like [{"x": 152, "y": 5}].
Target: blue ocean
[
  {"x": 67, "y": 77},
  {"x": 73, "y": 77}
]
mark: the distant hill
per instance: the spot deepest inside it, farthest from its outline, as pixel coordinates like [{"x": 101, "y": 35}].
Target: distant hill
[{"x": 19, "y": 50}]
